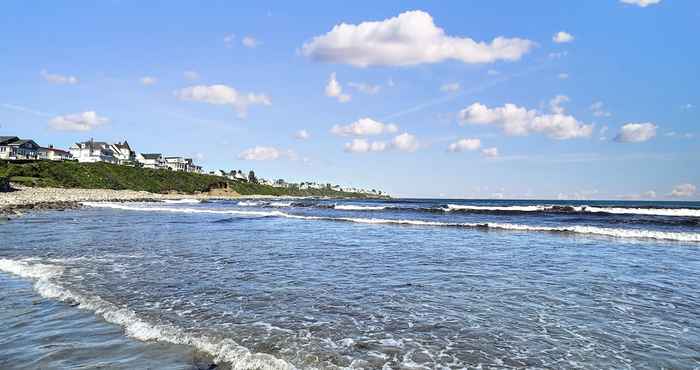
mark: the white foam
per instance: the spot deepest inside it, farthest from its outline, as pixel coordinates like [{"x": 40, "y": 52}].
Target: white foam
[
  {"x": 352, "y": 207},
  {"x": 280, "y": 204},
  {"x": 680, "y": 212},
  {"x": 130, "y": 207},
  {"x": 182, "y": 201},
  {"x": 225, "y": 350},
  {"x": 578, "y": 229},
  {"x": 248, "y": 203}
]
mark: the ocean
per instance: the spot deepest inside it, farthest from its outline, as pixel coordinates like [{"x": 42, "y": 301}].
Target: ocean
[{"x": 333, "y": 284}]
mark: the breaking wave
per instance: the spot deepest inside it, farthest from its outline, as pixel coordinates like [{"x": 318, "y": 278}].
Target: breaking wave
[
  {"x": 575, "y": 229},
  {"x": 680, "y": 212},
  {"x": 222, "y": 350},
  {"x": 352, "y": 207},
  {"x": 182, "y": 201}
]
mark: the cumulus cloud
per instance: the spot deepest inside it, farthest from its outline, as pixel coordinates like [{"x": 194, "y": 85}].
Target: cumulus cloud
[
  {"x": 598, "y": 109},
  {"x": 636, "y": 132},
  {"x": 302, "y": 135},
  {"x": 364, "y": 127},
  {"x": 365, "y": 87},
  {"x": 148, "y": 80},
  {"x": 641, "y": 3},
  {"x": 563, "y": 76},
  {"x": 684, "y": 190},
  {"x": 190, "y": 75},
  {"x": 519, "y": 121},
  {"x": 223, "y": 95},
  {"x": 464, "y": 145},
  {"x": 265, "y": 153},
  {"x": 335, "y": 90},
  {"x": 408, "y": 39},
  {"x": 250, "y": 42},
  {"x": 562, "y": 37},
  {"x": 58, "y": 79},
  {"x": 85, "y": 121},
  {"x": 405, "y": 142},
  {"x": 490, "y": 152},
  {"x": 365, "y": 146},
  {"x": 450, "y": 87}
]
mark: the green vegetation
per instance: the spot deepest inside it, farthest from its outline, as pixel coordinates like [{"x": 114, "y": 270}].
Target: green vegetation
[{"x": 109, "y": 176}]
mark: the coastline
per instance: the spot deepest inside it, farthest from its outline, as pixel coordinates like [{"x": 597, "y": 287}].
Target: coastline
[{"x": 24, "y": 198}]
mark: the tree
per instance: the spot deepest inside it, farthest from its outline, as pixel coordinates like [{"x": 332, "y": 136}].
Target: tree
[{"x": 252, "y": 178}]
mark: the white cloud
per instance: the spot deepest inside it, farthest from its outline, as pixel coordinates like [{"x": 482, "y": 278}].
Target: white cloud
[
  {"x": 302, "y": 135},
  {"x": 684, "y": 190},
  {"x": 410, "y": 38},
  {"x": 636, "y": 132},
  {"x": 190, "y": 75},
  {"x": 598, "y": 109},
  {"x": 490, "y": 152},
  {"x": 250, "y": 42},
  {"x": 450, "y": 87},
  {"x": 223, "y": 95},
  {"x": 405, "y": 142},
  {"x": 148, "y": 80},
  {"x": 562, "y": 37},
  {"x": 365, "y": 87},
  {"x": 556, "y": 102},
  {"x": 365, "y": 146},
  {"x": 687, "y": 106},
  {"x": 517, "y": 121},
  {"x": 464, "y": 145},
  {"x": 364, "y": 127},
  {"x": 265, "y": 153},
  {"x": 558, "y": 55},
  {"x": 649, "y": 194},
  {"x": 228, "y": 40},
  {"x": 85, "y": 121},
  {"x": 335, "y": 90},
  {"x": 58, "y": 79},
  {"x": 641, "y": 3},
  {"x": 563, "y": 76}
]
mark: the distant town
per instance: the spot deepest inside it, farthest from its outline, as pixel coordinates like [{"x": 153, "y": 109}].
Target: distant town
[{"x": 12, "y": 148}]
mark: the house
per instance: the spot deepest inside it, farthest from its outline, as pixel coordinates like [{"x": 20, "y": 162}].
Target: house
[
  {"x": 14, "y": 148},
  {"x": 123, "y": 152},
  {"x": 53, "y": 154},
  {"x": 151, "y": 160},
  {"x": 182, "y": 164},
  {"x": 93, "y": 151}
]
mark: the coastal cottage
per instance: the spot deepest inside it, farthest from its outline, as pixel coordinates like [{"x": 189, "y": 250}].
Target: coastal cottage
[
  {"x": 123, "y": 152},
  {"x": 182, "y": 164},
  {"x": 54, "y": 154},
  {"x": 93, "y": 151},
  {"x": 151, "y": 160},
  {"x": 14, "y": 148}
]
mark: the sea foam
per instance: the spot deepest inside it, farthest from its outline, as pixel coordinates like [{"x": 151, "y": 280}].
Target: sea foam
[
  {"x": 680, "y": 212},
  {"x": 222, "y": 350}
]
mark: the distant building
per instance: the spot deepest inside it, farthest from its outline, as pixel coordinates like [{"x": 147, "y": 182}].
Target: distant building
[
  {"x": 123, "y": 152},
  {"x": 151, "y": 160},
  {"x": 14, "y": 148},
  {"x": 54, "y": 154},
  {"x": 93, "y": 151},
  {"x": 182, "y": 164}
]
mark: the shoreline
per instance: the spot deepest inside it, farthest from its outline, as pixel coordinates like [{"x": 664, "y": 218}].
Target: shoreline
[{"x": 23, "y": 198}]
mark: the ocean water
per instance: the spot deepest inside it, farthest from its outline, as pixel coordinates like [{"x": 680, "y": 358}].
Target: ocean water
[{"x": 331, "y": 284}]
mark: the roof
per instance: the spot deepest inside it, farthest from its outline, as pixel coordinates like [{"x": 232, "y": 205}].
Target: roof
[
  {"x": 151, "y": 155},
  {"x": 7, "y": 139},
  {"x": 20, "y": 142},
  {"x": 56, "y": 150}
]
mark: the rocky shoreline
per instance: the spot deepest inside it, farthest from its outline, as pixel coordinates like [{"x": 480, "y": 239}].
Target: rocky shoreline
[{"x": 27, "y": 199}]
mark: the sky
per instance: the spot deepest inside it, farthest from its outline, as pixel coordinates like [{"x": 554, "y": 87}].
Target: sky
[{"x": 455, "y": 99}]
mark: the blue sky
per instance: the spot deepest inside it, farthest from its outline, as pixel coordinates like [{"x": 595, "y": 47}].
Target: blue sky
[{"x": 593, "y": 99}]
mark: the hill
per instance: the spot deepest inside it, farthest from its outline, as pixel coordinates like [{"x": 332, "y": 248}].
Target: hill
[{"x": 69, "y": 174}]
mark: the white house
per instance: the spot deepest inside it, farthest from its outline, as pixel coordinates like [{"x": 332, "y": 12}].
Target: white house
[
  {"x": 123, "y": 152},
  {"x": 54, "y": 154},
  {"x": 93, "y": 151},
  {"x": 151, "y": 160},
  {"x": 14, "y": 148},
  {"x": 182, "y": 164}
]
